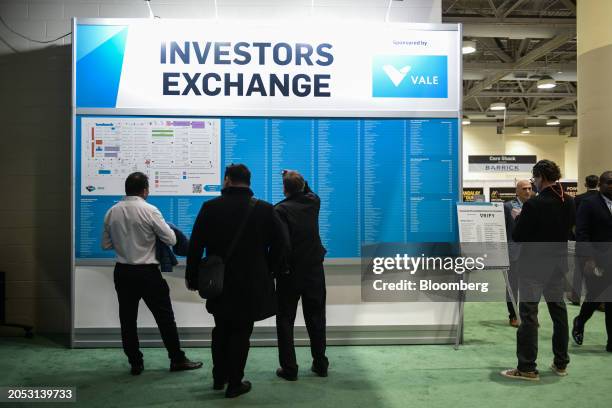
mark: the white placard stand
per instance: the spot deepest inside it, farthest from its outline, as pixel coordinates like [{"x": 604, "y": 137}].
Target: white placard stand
[{"x": 483, "y": 223}]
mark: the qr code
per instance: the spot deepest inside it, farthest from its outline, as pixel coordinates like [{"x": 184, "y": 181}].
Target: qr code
[{"x": 196, "y": 188}]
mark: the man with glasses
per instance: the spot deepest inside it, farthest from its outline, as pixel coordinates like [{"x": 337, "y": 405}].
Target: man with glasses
[{"x": 543, "y": 227}]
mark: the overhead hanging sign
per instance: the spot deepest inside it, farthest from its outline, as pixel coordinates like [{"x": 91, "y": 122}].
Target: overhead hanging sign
[
  {"x": 501, "y": 163},
  {"x": 340, "y": 68}
]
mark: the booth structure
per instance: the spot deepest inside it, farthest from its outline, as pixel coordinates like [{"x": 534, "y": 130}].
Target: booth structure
[{"x": 368, "y": 113}]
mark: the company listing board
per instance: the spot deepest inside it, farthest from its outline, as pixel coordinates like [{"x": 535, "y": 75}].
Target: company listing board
[{"x": 379, "y": 180}]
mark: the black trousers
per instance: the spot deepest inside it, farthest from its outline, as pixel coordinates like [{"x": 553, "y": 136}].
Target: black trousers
[
  {"x": 135, "y": 282},
  {"x": 599, "y": 290},
  {"x": 586, "y": 311},
  {"x": 578, "y": 277},
  {"x": 230, "y": 349},
  {"x": 513, "y": 278},
  {"x": 313, "y": 294},
  {"x": 527, "y": 333}
]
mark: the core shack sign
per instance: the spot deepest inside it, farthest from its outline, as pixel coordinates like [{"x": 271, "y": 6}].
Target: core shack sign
[{"x": 501, "y": 164}]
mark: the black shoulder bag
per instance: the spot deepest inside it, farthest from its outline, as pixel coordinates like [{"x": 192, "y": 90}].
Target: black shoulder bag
[{"x": 211, "y": 270}]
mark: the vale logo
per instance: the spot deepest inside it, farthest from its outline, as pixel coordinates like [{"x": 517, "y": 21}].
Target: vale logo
[{"x": 410, "y": 76}]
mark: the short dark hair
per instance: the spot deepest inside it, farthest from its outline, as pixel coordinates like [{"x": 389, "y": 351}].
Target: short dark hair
[
  {"x": 293, "y": 182},
  {"x": 547, "y": 169},
  {"x": 591, "y": 181},
  {"x": 238, "y": 173},
  {"x": 605, "y": 175},
  {"x": 136, "y": 183}
]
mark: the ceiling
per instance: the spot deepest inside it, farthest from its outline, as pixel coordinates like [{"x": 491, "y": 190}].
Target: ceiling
[{"x": 518, "y": 41}]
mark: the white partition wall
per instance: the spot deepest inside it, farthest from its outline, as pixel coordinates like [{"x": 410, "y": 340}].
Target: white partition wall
[{"x": 367, "y": 112}]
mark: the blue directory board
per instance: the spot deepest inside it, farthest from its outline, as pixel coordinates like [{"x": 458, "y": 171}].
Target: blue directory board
[{"x": 380, "y": 180}]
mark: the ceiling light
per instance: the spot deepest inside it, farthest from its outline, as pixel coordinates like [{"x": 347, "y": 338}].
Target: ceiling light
[
  {"x": 553, "y": 121},
  {"x": 546, "y": 82},
  {"x": 465, "y": 121},
  {"x": 525, "y": 131},
  {"x": 498, "y": 106},
  {"x": 468, "y": 47}
]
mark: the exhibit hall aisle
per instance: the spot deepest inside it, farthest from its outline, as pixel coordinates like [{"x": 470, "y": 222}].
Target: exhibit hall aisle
[{"x": 360, "y": 376}]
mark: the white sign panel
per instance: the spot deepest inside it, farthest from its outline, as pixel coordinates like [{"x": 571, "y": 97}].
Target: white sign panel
[
  {"x": 482, "y": 228},
  {"x": 269, "y": 67}
]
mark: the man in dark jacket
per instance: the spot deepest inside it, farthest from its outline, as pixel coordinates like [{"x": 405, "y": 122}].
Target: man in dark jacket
[
  {"x": 248, "y": 286},
  {"x": 306, "y": 278},
  {"x": 512, "y": 209},
  {"x": 590, "y": 182},
  {"x": 543, "y": 227},
  {"x": 594, "y": 246}
]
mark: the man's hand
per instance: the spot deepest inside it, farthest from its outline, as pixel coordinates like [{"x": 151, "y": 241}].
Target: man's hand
[
  {"x": 590, "y": 265},
  {"x": 307, "y": 188},
  {"x": 515, "y": 213}
]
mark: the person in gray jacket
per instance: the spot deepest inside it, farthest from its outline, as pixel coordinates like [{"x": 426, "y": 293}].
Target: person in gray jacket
[{"x": 512, "y": 209}]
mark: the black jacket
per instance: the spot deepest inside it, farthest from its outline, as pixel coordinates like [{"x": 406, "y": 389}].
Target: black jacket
[
  {"x": 300, "y": 213},
  {"x": 248, "y": 286},
  {"x": 581, "y": 197},
  {"x": 166, "y": 255},
  {"x": 545, "y": 218},
  {"x": 544, "y": 227},
  {"x": 594, "y": 225}
]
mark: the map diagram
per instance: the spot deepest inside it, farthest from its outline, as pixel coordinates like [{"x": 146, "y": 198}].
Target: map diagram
[{"x": 180, "y": 156}]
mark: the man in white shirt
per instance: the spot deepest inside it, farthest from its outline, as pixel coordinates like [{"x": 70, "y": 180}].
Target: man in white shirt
[{"x": 131, "y": 228}]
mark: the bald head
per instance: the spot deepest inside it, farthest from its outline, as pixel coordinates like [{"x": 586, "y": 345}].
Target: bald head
[
  {"x": 523, "y": 190},
  {"x": 605, "y": 184}
]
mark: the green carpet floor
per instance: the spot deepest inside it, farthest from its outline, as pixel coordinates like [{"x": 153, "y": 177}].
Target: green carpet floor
[{"x": 365, "y": 376}]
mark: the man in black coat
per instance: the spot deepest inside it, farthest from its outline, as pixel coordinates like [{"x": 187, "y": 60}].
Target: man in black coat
[
  {"x": 590, "y": 182},
  {"x": 248, "y": 286},
  {"x": 306, "y": 278},
  {"x": 594, "y": 246},
  {"x": 543, "y": 228}
]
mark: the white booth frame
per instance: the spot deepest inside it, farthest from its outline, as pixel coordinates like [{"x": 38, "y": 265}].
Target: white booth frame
[{"x": 264, "y": 336}]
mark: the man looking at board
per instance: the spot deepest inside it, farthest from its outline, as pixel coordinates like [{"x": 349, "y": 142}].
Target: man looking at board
[{"x": 131, "y": 228}]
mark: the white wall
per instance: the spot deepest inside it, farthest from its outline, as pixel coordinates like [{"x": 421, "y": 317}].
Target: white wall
[
  {"x": 49, "y": 19},
  {"x": 35, "y": 142},
  {"x": 545, "y": 143}
]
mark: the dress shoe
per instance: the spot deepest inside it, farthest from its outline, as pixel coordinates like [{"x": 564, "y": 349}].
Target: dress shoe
[
  {"x": 185, "y": 365},
  {"x": 577, "y": 332},
  {"x": 282, "y": 373},
  {"x": 137, "y": 369},
  {"x": 236, "y": 391},
  {"x": 219, "y": 385},
  {"x": 318, "y": 370}
]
